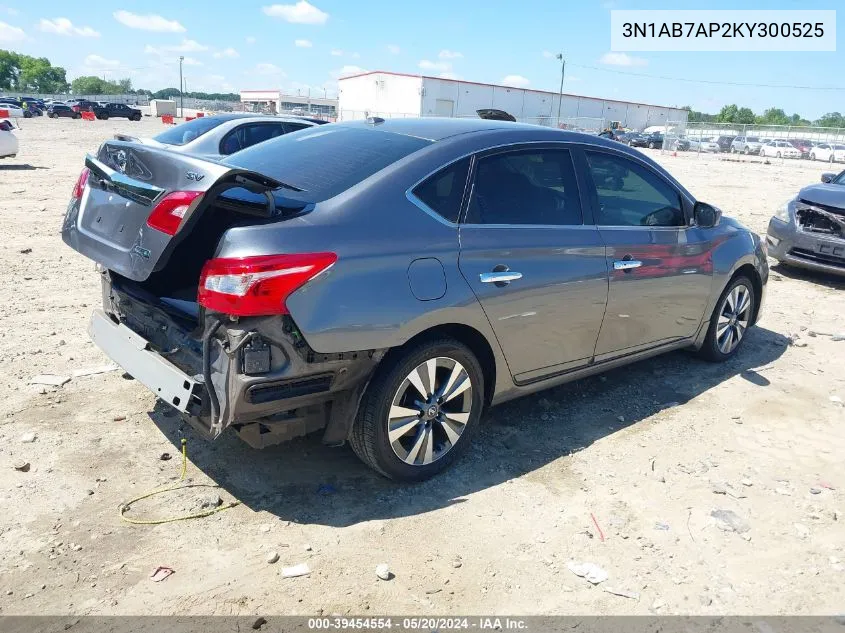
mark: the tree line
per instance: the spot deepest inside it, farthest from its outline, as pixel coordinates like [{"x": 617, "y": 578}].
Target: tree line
[
  {"x": 772, "y": 116},
  {"x": 36, "y": 75}
]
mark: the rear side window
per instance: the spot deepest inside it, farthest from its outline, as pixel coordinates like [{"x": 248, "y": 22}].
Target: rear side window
[
  {"x": 188, "y": 131},
  {"x": 326, "y": 160},
  {"x": 444, "y": 191},
  {"x": 631, "y": 195},
  {"x": 249, "y": 135},
  {"x": 525, "y": 187}
]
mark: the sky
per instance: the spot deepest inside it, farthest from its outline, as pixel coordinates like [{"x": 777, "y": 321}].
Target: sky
[{"x": 300, "y": 45}]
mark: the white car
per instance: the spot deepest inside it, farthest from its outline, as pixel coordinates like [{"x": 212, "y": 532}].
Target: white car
[
  {"x": 14, "y": 111},
  {"x": 779, "y": 149},
  {"x": 8, "y": 140},
  {"x": 831, "y": 152}
]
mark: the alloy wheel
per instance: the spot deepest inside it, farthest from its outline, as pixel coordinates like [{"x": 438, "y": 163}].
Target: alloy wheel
[
  {"x": 734, "y": 316},
  {"x": 430, "y": 411}
]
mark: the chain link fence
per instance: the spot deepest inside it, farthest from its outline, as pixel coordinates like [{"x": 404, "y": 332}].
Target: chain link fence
[
  {"x": 588, "y": 125},
  {"x": 721, "y": 138}
]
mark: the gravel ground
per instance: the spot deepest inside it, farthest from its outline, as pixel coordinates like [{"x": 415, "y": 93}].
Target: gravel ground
[{"x": 697, "y": 488}]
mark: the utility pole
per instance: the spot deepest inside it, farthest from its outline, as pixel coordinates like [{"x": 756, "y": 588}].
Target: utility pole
[
  {"x": 560, "y": 98},
  {"x": 182, "y": 92}
]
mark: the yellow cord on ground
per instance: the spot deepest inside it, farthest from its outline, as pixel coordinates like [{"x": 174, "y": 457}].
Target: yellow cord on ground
[{"x": 124, "y": 507}]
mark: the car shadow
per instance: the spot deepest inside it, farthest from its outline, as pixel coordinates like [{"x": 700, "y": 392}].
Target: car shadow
[
  {"x": 812, "y": 276},
  {"x": 20, "y": 167},
  {"x": 305, "y": 482}
]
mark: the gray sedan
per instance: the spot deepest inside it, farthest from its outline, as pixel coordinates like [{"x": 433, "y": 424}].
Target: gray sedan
[
  {"x": 220, "y": 135},
  {"x": 384, "y": 282},
  {"x": 809, "y": 230}
]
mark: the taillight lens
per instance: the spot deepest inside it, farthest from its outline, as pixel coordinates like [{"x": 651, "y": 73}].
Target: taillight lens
[
  {"x": 168, "y": 214},
  {"x": 79, "y": 187},
  {"x": 257, "y": 286}
]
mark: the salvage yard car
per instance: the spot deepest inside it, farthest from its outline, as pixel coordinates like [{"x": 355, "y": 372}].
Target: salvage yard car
[
  {"x": 809, "y": 230},
  {"x": 386, "y": 281},
  {"x": 8, "y": 141},
  {"x": 116, "y": 110},
  {"x": 779, "y": 149},
  {"x": 219, "y": 135}
]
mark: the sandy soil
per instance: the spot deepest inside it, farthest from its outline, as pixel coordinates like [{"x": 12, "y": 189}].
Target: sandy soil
[{"x": 622, "y": 471}]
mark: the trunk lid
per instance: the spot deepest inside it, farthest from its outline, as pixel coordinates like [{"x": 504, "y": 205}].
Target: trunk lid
[{"x": 126, "y": 181}]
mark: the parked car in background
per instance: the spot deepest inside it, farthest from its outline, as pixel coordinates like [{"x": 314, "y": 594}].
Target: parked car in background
[
  {"x": 83, "y": 105},
  {"x": 292, "y": 287},
  {"x": 8, "y": 140},
  {"x": 654, "y": 140},
  {"x": 636, "y": 139},
  {"x": 117, "y": 110},
  {"x": 830, "y": 152},
  {"x": 809, "y": 230},
  {"x": 58, "y": 110},
  {"x": 703, "y": 145},
  {"x": 724, "y": 142},
  {"x": 746, "y": 145},
  {"x": 676, "y": 144},
  {"x": 223, "y": 134},
  {"x": 779, "y": 149},
  {"x": 803, "y": 146},
  {"x": 14, "y": 110}
]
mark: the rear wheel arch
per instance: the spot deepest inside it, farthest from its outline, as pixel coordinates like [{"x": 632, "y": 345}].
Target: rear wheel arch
[{"x": 469, "y": 336}]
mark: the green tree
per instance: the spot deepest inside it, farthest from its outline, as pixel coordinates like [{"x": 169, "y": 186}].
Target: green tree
[
  {"x": 30, "y": 74},
  {"x": 745, "y": 116},
  {"x": 773, "y": 116},
  {"x": 831, "y": 119},
  {"x": 727, "y": 114}
]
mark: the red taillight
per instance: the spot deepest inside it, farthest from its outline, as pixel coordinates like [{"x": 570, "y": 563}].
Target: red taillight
[
  {"x": 168, "y": 214},
  {"x": 79, "y": 187},
  {"x": 257, "y": 286}
]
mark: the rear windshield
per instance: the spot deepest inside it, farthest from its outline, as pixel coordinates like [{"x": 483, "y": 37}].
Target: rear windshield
[
  {"x": 326, "y": 160},
  {"x": 188, "y": 131},
  {"x": 753, "y": 139}
]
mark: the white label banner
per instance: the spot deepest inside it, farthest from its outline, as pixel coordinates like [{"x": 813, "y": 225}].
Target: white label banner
[{"x": 717, "y": 30}]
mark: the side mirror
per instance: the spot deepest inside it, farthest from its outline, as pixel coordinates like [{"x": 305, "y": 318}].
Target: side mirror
[
  {"x": 828, "y": 176},
  {"x": 706, "y": 215}
]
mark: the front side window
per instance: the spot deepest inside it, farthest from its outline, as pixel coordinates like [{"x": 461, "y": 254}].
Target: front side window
[
  {"x": 525, "y": 187},
  {"x": 632, "y": 195},
  {"x": 444, "y": 191}
]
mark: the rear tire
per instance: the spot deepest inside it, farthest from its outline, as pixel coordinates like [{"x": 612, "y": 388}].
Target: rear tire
[
  {"x": 812, "y": 157},
  {"x": 77, "y": 115},
  {"x": 428, "y": 430},
  {"x": 731, "y": 318}
]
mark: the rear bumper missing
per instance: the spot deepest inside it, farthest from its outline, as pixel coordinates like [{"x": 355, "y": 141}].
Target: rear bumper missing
[
  {"x": 270, "y": 386},
  {"x": 132, "y": 352}
]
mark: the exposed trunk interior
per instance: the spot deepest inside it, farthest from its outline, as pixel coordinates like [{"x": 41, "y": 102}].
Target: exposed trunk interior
[{"x": 176, "y": 284}]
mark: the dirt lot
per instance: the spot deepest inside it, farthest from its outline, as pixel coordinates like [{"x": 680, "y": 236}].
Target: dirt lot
[{"x": 622, "y": 471}]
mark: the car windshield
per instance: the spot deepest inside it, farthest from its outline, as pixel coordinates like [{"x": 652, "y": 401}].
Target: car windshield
[
  {"x": 840, "y": 179},
  {"x": 324, "y": 161},
  {"x": 838, "y": 147},
  {"x": 753, "y": 139},
  {"x": 189, "y": 131}
]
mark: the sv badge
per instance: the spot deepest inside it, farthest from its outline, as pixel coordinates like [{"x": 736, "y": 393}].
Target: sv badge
[{"x": 192, "y": 175}]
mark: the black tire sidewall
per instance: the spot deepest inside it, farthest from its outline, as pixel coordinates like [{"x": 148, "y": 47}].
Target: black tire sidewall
[
  {"x": 710, "y": 349},
  {"x": 384, "y": 389}
]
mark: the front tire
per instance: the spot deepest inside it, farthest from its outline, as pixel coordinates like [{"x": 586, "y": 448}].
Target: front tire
[
  {"x": 420, "y": 410},
  {"x": 730, "y": 321},
  {"x": 812, "y": 157}
]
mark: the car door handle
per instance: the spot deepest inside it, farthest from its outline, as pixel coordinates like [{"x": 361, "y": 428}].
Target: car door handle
[
  {"x": 499, "y": 277},
  {"x": 626, "y": 264}
]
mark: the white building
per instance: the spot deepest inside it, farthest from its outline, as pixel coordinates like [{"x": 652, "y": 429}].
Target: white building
[
  {"x": 278, "y": 102},
  {"x": 388, "y": 94}
]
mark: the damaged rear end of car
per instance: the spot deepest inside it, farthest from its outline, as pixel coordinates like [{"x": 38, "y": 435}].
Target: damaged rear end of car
[{"x": 210, "y": 335}]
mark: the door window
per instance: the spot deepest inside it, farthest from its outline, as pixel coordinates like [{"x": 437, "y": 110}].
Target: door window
[
  {"x": 525, "y": 187},
  {"x": 444, "y": 191},
  {"x": 632, "y": 195}
]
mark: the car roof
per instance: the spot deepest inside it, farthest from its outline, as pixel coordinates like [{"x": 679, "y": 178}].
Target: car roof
[{"x": 437, "y": 128}]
